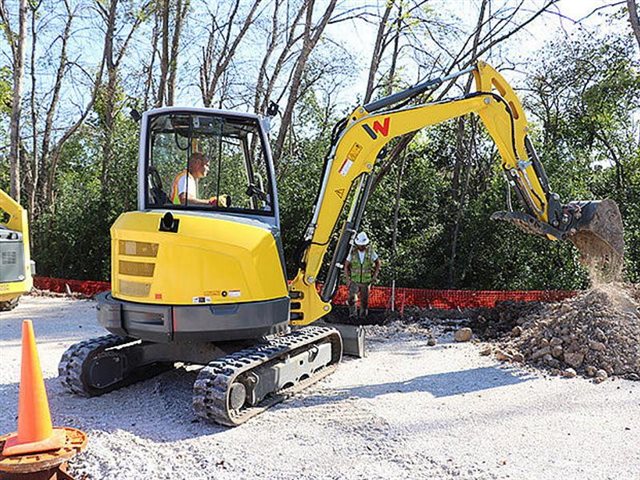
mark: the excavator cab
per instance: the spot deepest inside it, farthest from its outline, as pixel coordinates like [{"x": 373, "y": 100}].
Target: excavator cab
[
  {"x": 202, "y": 257},
  {"x": 206, "y": 157}
]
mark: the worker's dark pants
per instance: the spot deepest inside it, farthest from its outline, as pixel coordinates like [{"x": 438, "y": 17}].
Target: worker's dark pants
[{"x": 361, "y": 291}]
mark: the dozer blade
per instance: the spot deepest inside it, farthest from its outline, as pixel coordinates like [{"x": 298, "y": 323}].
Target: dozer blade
[{"x": 599, "y": 238}]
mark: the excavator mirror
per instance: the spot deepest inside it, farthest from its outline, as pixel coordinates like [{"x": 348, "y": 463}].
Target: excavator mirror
[
  {"x": 135, "y": 115},
  {"x": 273, "y": 109}
]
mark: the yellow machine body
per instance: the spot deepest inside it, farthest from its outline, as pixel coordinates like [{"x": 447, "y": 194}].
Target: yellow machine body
[
  {"x": 14, "y": 218},
  {"x": 212, "y": 260}
]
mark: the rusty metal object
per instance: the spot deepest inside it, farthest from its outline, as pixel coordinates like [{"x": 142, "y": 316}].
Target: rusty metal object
[{"x": 43, "y": 465}]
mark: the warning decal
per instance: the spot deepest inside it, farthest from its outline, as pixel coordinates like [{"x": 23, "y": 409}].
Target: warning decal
[
  {"x": 201, "y": 299},
  {"x": 346, "y": 166}
]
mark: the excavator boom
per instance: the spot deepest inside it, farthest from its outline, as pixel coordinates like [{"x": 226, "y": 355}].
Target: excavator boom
[{"x": 595, "y": 227}]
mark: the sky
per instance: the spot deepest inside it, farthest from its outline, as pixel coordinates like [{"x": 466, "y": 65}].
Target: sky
[{"x": 561, "y": 20}]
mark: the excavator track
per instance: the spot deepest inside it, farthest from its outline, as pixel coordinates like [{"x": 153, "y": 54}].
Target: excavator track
[
  {"x": 216, "y": 389},
  {"x": 77, "y": 361}
]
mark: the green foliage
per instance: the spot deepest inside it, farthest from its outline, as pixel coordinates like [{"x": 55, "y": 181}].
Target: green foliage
[{"x": 72, "y": 240}]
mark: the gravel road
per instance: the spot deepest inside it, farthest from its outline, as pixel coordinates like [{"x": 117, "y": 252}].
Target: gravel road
[{"x": 407, "y": 411}]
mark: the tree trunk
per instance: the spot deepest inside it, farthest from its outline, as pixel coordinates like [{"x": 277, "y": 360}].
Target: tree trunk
[
  {"x": 633, "y": 19},
  {"x": 16, "y": 104},
  {"x": 310, "y": 39},
  {"x": 181, "y": 14},
  {"x": 164, "y": 54},
  {"x": 378, "y": 51},
  {"x": 34, "y": 168}
]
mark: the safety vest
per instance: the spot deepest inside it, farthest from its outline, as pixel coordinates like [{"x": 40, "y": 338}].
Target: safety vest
[
  {"x": 361, "y": 272},
  {"x": 175, "y": 197}
]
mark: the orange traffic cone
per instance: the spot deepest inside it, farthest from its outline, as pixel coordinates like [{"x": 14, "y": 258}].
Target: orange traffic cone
[{"x": 35, "y": 432}]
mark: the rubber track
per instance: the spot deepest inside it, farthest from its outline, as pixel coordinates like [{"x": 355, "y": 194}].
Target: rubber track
[
  {"x": 211, "y": 389},
  {"x": 70, "y": 368}
]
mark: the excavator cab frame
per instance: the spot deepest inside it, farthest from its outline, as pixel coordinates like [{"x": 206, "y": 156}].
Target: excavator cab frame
[{"x": 235, "y": 147}]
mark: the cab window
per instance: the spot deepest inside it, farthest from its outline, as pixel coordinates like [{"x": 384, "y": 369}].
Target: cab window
[{"x": 210, "y": 162}]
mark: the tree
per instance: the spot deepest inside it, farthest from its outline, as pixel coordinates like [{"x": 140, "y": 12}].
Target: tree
[
  {"x": 16, "y": 41},
  {"x": 222, "y": 44}
]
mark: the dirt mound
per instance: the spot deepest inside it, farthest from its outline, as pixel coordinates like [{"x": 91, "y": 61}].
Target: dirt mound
[{"x": 596, "y": 333}]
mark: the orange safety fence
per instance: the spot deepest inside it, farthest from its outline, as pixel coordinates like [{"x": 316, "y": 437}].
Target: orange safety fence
[
  {"x": 60, "y": 285},
  {"x": 379, "y": 297}
]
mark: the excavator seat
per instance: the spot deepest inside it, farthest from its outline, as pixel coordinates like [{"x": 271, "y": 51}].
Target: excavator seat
[{"x": 155, "y": 188}]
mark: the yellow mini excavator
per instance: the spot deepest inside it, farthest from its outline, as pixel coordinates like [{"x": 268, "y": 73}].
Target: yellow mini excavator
[
  {"x": 198, "y": 273},
  {"x": 16, "y": 267}
]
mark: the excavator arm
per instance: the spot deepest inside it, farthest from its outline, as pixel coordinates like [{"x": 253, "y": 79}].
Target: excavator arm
[{"x": 595, "y": 227}]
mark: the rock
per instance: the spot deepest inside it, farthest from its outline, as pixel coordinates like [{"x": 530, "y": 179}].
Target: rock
[
  {"x": 516, "y": 331},
  {"x": 541, "y": 352},
  {"x": 485, "y": 351},
  {"x": 555, "y": 341},
  {"x": 569, "y": 373},
  {"x": 556, "y": 351},
  {"x": 502, "y": 356},
  {"x": 591, "y": 370},
  {"x": 550, "y": 361},
  {"x": 518, "y": 357},
  {"x": 597, "y": 346},
  {"x": 543, "y": 343},
  {"x": 601, "y": 376},
  {"x": 463, "y": 335},
  {"x": 574, "y": 359},
  {"x": 432, "y": 341}
]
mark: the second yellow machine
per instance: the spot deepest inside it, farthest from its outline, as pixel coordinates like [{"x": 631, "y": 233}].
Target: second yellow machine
[
  {"x": 198, "y": 273},
  {"x": 16, "y": 267}
]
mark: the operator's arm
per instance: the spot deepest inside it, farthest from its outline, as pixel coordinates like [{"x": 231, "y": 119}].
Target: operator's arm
[{"x": 193, "y": 200}]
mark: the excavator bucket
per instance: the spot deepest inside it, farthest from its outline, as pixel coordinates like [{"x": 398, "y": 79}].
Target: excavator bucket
[
  {"x": 599, "y": 238},
  {"x": 595, "y": 230}
]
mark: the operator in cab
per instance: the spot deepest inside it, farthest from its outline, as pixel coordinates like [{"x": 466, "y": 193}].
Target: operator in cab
[{"x": 185, "y": 186}]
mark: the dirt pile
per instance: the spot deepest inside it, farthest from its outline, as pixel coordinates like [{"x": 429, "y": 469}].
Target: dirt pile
[{"x": 596, "y": 333}]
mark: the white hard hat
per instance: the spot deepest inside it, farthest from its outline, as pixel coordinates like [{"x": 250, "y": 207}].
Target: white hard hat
[{"x": 362, "y": 239}]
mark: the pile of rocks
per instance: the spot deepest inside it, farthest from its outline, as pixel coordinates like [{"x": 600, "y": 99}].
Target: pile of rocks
[{"x": 596, "y": 334}]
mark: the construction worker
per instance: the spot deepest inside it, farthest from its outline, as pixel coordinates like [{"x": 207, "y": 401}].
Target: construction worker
[
  {"x": 361, "y": 269},
  {"x": 185, "y": 185}
]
